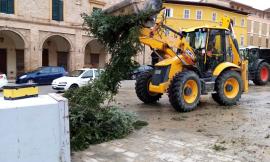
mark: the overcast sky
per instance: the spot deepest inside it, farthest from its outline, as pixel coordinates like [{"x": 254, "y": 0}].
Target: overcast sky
[{"x": 259, "y": 4}]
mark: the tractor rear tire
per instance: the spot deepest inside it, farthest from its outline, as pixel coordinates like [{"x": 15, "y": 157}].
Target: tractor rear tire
[
  {"x": 185, "y": 91},
  {"x": 262, "y": 74},
  {"x": 142, "y": 89},
  {"x": 229, "y": 88}
]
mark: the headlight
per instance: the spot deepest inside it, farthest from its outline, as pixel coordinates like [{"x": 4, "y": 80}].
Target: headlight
[
  {"x": 63, "y": 83},
  {"x": 24, "y": 76}
]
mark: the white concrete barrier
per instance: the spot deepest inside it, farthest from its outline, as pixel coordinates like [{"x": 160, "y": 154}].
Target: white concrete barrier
[{"x": 34, "y": 130}]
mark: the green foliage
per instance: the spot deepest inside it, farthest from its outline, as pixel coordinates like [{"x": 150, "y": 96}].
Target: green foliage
[
  {"x": 91, "y": 119},
  {"x": 95, "y": 126},
  {"x": 139, "y": 124},
  {"x": 219, "y": 148}
]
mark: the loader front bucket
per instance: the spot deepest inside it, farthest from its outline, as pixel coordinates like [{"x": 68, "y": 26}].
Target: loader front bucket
[{"x": 128, "y": 7}]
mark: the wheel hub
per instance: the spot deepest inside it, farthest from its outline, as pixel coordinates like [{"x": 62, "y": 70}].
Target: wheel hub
[
  {"x": 264, "y": 74},
  {"x": 188, "y": 91},
  {"x": 229, "y": 88}
]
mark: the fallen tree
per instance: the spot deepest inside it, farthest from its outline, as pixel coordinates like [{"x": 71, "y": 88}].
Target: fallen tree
[{"x": 91, "y": 119}]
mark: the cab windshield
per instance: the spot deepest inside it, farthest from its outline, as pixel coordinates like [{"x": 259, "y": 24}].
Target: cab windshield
[
  {"x": 76, "y": 73},
  {"x": 196, "y": 39},
  {"x": 249, "y": 54},
  {"x": 243, "y": 53}
]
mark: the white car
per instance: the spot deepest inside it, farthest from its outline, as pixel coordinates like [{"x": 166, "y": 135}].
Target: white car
[
  {"x": 3, "y": 80},
  {"x": 76, "y": 79}
]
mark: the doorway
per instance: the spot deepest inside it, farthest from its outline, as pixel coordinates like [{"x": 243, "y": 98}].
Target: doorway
[
  {"x": 3, "y": 61},
  {"x": 45, "y": 57}
]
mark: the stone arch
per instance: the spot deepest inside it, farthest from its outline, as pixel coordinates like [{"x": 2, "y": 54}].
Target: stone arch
[
  {"x": 20, "y": 34},
  {"x": 56, "y": 51},
  {"x": 12, "y": 52},
  {"x": 94, "y": 54},
  {"x": 55, "y": 34}
]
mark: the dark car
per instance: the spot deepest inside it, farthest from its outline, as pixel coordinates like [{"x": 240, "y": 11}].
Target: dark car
[
  {"x": 42, "y": 75},
  {"x": 140, "y": 70}
]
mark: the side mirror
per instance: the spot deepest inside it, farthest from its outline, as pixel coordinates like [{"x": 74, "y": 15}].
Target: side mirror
[{"x": 38, "y": 73}]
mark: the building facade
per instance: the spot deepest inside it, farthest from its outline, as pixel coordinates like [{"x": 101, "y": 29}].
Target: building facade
[
  {"x": 258, "y": 24},
  {"x": 47, "y": 33},
  {"x": 184, "y": 14}
]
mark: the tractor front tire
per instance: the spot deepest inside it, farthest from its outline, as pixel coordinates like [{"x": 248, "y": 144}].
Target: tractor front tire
[
  {"x": 229, "y": 88},
  {"x": 185, "y": 91},
  {"x": 142, "y": 89},
  {"x": 262, "y": 74}
]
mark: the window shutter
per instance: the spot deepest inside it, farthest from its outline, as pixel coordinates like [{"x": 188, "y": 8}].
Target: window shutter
[
  {"x": 4, "y": 6},
  {"x": 10, "y": 6},
  {"x": 55, "y": 9},
  {"x": 60, "y": 10}
]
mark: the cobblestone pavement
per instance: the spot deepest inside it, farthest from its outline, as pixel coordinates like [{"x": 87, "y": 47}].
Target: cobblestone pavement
[{"x": 210, "y": 133}]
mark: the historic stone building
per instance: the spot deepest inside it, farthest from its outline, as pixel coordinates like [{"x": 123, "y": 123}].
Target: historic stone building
[
  {"x": 36, "y": 33},
  {"x": 258, "y": 24}
]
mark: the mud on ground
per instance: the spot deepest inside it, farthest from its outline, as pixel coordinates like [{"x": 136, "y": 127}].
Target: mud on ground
[{"x": 209, "y": 133}]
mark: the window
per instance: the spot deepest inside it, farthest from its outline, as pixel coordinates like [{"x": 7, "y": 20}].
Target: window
[
  {"x": 186, "y": 14},
  {"x": 260, "y": 41},
  {"x": 76, "y": 73},
  {"x": 98, "y": 73},
  {"x": 45, "y": 70},
  {"x": 242, "y": 40},
  {"x": 7, "y": 6},
  {"x": 251, "y": 40},
  {"x": 214, "y": 17},
  {"x": 228, "y": 49},
  {"x": 196, "y": 39},
  {"x": 199, "y": 15},
  {"x": 56, "y": 70},
  {"x": 234, "y": 21},
  {"x": 88, "y": 74},
  {"x": 169, "y": 12},
  {"x": 249, "y": 25},
  {"x": 242, "y": 22},
  {"x": 256, "y": 26},
  {"x": 215, "y": 42},
  {"x": 57, "y": 10},
  {"x": 167, "y": 32}
]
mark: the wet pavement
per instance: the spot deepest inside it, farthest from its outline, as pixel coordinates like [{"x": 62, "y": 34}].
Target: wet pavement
[{"x": 209, "y": 133}]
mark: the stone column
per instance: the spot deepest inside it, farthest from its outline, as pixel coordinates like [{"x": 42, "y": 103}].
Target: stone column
[
  {"x": 35, "y": 49},
  {"x": 78, "y": 56},
  {"x": 27, "y": 59}
]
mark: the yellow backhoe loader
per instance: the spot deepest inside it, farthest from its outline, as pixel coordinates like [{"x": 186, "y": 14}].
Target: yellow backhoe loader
[{"x": 197, "y": 61}]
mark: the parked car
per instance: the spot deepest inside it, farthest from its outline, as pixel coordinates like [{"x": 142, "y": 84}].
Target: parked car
[
  {"x": 42, "y": 75},
  {"x": 258, "y": 63},
  {"x": 140, "y": 70},
  {"x": 3, "y": 80},
  {"x": 76, "y": 79}
]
